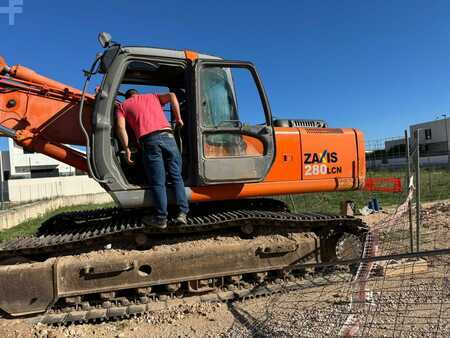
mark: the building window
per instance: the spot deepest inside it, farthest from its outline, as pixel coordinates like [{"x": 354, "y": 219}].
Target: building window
[
  {"x": 22, "y": 169},
  {"x": 427, "y": 134},
  {"x": 37, "y": 173}
]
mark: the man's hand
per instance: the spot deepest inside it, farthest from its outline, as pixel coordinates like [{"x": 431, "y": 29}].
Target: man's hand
[
  {"x": 128, "y": 153},
  {"x": 179, "y": 123},
  {"x": 121, "y": 132}
]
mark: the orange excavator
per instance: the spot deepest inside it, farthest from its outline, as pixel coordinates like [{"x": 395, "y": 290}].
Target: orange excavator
[{"x": 239, "y": 241}]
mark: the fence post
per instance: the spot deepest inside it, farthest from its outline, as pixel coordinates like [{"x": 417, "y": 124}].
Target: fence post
[
  {"x": 446, "y": 139},
  {"x": 408, "y": 178},
  {"x": 417, "y": 131}
]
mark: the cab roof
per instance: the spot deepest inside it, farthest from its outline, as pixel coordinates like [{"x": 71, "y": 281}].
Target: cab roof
[{"x": 162, "y": 52}]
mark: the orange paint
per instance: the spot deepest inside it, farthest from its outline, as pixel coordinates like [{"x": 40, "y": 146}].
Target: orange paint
[
  {"x": 26, "y": 74},
  {"x": 287, "y": 159},
  {"x": 3, "y": 64},
  {"x": 328, "y": 154},
  {"x": 361, "y": 158},
  {"x": 191, "y": 55},
  {"x": 52, "y": 115},
  {"x": 250, "y": 146},
  {"x": 236, "y": 191},
  {"x": 253, "y": 146},
  {"x": 45, "y": 114}
]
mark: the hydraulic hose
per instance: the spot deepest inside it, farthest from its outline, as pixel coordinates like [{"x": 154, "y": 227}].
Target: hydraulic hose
[{"x": 83, "y": 129}]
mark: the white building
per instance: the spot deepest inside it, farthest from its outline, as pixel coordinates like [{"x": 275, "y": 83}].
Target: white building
[
  {"x": 433, "y": 136},
  {"x": 19, "y": 163},
  {"x": 434, "y": 146},
  {"x": 31, "y": 176}
]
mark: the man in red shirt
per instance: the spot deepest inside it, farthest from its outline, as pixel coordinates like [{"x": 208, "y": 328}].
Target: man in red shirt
[{"x": 145, "y": 116}]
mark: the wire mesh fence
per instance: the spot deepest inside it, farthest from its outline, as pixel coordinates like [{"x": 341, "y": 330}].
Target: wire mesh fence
[
  {"x": 395, "y": 292},
  {"x": 401, "y": 287}
]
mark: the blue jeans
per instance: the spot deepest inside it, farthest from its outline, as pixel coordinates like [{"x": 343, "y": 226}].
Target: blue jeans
[{"x": 161, "y": 156}]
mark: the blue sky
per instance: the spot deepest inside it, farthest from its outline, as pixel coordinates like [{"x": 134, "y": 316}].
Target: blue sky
[{"x": 375, "y": 65}]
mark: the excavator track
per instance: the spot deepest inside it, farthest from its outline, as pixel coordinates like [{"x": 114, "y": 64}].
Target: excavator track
[
  {"x": 88, "y": 266},
  {"x": 125, "y": 308},
  {"x": 69, "y": 231}
]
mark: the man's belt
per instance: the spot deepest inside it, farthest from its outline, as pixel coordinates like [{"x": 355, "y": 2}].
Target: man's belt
[{"x": 162, "y": 131}]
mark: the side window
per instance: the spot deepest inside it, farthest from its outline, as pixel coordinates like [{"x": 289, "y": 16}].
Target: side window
[
  {"x": 249, "y": 104},
  {"x": 230, "y": 100},
  {"x": 217, "y": 97}
]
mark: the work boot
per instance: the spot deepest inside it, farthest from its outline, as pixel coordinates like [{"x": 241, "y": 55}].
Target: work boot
[
  {"x": 181, "y": 218},
  {"x": 156, "y": 222}
]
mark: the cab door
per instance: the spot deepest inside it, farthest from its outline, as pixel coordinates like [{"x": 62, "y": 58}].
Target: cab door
[{"x": 235, "y": 136}]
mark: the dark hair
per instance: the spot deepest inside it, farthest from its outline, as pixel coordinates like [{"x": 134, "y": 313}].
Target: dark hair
[{"x": 130, "y": 93}]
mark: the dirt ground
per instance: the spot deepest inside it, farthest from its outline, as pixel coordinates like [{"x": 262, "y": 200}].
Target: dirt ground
[{"x": 403, "y": 304}]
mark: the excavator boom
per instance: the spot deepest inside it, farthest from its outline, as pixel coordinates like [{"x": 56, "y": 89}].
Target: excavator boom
[{"x": 41, "y": 114}]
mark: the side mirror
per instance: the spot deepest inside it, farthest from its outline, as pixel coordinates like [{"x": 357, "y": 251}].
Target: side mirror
[{"x": 104, "y": 39}]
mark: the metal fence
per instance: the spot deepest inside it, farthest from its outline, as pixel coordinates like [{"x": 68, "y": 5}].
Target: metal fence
[{"x": 390, "y": 153}]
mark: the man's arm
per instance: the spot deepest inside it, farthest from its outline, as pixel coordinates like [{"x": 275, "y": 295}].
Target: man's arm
[
  {"x": 175, "y": 106},
  {"x": 121, "y": 131}
]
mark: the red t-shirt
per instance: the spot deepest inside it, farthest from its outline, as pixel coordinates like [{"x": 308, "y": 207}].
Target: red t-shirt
[{"x": 144, "y": 114}]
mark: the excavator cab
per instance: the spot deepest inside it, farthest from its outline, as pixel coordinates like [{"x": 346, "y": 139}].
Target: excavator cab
[
  {"x": 228, "y": 141},
  {"x": 149, "y": 77},
  {"x": 228, "y": 135}
]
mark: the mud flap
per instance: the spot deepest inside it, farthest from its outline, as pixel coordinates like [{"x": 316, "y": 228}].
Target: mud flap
[{"x": 26, "y": 288}]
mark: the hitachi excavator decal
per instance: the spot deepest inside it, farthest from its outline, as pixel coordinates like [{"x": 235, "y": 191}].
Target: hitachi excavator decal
[
  {"x": 324, "y": 157},
  {"x": 318, "y": 163}
]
